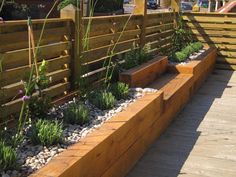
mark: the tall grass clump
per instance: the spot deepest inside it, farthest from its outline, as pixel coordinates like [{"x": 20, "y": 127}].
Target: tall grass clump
[
  {"x": 8, "y": 157},
  {"x": 76, "y": 113},
  {"x": 46, "y": 133},
  {"x": 120, "y": 90},
  {"x": 102, "y": 99}
]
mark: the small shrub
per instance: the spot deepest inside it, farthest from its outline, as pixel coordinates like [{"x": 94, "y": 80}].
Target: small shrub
[
  {"x": 39, "y": 106},
  {"x": 8, "y": 157},
  {"x": 197, "y": 46},
  {"x": 180, "y": 56},
  {"x": 46, "y": 132},
  {"x": 188, "y": 50},
  {"x": 76, "y": 114},
  {"x": 137, "y": 57},
  {"x": 130, "y": 60},
  {"x": 102, "y": 99},
  {"x": 144, "y": 54},
  {"x": 120, "y": 90}
]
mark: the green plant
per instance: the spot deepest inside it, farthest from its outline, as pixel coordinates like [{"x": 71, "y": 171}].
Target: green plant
[
  {"x": 39, "y": 106},
  {"x": 102, "y": 99},
  {"x": 180, "y": 56},
  {"x": 76, "y": 114},
  {"x": 182, "y": 36},
  {"x": 144, "y": 54},
  {"x": 8, "y": 157},
  {"x": 24, "y": 112},
  {"x": 188, "y": 50},
  {"x": 120, "y": 90},
  {"x": 136, "y": 57},
  {"x": 46, "y": 132},
  {"x": 130, "y": 59},
  {"x": 197, "y": 46}
]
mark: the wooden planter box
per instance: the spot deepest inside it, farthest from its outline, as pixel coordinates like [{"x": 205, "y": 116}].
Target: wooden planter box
[
  {"x": 146, "y": 73},
  {"x": 116, "y": 143},
  {"x": 114, "y": 148},
  {"x": 199, "y": 68}
]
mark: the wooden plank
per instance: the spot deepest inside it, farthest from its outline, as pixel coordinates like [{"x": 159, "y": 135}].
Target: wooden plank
[
  {"x": 218, "y": 40},
  {"x": 226, "y": 67},
  {"x": 15, "y": 37},
  {"x": 102, "y": 52},
  {"x": 159, "y": 36},
  {"x": 107, "y": 26},
  {"x": 144, "y": 74},
  {"x": 13, "y": 107},
  {"x": 231, "y": 27},
  {"x": 159, "y": 28},
  {"x": 18, "y": 58},
  {"x": 104, "y": 40},
  {"x": 226, "y": 60},
  {"x": 10, "y": 91},
  {"x": 114, "y": 138},
  {"x": 210, "y": 19}
]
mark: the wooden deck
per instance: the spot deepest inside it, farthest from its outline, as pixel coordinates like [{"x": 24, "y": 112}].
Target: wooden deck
[{"x": 202, "y": 139}]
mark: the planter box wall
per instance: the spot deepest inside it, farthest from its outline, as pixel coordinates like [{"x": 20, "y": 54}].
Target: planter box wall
[
  {"x": 146, "y": 73},
  {"x": 200, "y": 68},
  {"x": 101, "y": 150}
]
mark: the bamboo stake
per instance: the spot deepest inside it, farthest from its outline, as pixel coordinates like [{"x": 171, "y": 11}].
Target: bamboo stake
[{"x": 29, "y": 40}]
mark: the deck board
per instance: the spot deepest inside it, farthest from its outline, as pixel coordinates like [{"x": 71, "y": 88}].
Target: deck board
[{"x": 202, "y": 139}]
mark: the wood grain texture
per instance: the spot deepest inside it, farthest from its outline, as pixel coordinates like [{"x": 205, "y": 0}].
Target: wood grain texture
[
  {"x": 218, "y": 30},
  {"x": 105, "y": 146},
  {"x": 201, "y": 140},
  {"x": 144, "y": 74}
]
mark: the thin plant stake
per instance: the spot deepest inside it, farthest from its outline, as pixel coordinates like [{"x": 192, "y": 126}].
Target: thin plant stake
[
  {"x": 29, "y": 41},
  {"x": 33, "y": 48}
]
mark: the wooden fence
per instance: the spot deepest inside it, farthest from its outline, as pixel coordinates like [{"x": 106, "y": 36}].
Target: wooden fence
[
  {"x": 55, "y": 48},
  {"x": 111, "y": 33},
  {"x": 217, "y": 30}
]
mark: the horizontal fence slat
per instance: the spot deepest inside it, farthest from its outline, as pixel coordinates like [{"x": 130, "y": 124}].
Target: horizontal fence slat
[
  {"x": 17, "y": 58},
  {"x": 13, "y": 107}
]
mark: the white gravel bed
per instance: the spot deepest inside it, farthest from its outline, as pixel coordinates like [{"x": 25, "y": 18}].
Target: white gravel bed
[{"x": 32, "y": 158}]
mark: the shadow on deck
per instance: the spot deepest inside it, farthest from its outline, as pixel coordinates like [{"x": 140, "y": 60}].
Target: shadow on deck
[{"x": 201, "y": 141}]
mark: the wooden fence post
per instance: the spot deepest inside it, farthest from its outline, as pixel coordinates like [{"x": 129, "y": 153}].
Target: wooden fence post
[
  {"x": 141, "y": 9},
  {"x": 175, "y": 5},
  {"x": 75, "y": 14}
]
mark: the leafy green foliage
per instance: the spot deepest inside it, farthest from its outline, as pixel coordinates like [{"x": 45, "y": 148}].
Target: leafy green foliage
[
  {"x": 130, "y": 59},
  {"x": 40, "y": 104},
  {"x": 76, "y": 114},
  {"x": 103, "y": 99},
  {"x": 120, "y": 90},
  {"x": 180, "y": 56},
  {"x": 181, "y": 37},
  {"x": 65, "y": 3},
  {"x": 46, "y": 132},
  {"x": 8, "y": 157},
  {"x": 137, "y": 57},
  {"x": 144, "y": 54},
  {"x": 197, "y": 46},
  {"x": 188, "y": 50}
]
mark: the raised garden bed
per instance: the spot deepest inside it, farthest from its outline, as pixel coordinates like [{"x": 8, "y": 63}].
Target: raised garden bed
[
  {"x": 103, "y": 148},
  {"x": 199, "y": 67},
  {"x": 114, "y": 148},
  {"x": 141, "y": 76}
]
